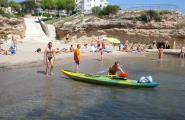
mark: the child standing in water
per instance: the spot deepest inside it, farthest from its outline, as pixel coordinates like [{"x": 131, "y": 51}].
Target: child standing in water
[
  {"x": 77, "y": 57},
  {"x": 160, "y": 52}
]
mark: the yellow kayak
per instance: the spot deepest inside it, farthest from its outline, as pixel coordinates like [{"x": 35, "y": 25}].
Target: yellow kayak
[{"x": 107, "y": 80}]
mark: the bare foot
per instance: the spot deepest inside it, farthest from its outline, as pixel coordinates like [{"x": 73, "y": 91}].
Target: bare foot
[{"x": 51, "y": 73}]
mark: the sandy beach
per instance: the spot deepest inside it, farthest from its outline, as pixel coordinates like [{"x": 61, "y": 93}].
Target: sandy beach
[{"x": 26, "y": 55}]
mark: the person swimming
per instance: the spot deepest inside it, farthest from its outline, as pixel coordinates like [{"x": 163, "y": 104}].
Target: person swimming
[{"x": 49, "y": 58}]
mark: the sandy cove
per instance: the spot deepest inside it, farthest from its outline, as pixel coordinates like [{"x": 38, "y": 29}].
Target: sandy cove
[{"x": 26, "y": 54}]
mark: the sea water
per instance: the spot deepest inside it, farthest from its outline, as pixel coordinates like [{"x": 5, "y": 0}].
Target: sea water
[{"x": 26, "y": 93}]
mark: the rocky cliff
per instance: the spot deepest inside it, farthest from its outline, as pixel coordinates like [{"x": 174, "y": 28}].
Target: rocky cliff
[
  {"x": 10, "y": 26},
  {"x": 125, "y": 25}
]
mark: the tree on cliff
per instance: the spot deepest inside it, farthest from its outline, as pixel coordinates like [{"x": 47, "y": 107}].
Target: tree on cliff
[
  {"x": 60, "y": 4},
  {"x": 69, "y": 5},
  {"x": 96, "y": 11},
  {"x": 48, "y": 4},
  {"x": 28, "y": 5},
  {"x": 110, "y": 9},
  {"x": 15, "y": 6},
  {"x": 3, "y": 3}
]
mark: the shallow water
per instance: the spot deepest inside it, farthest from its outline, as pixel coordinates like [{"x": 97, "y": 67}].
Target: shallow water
[{"x": 27, "y": 94}]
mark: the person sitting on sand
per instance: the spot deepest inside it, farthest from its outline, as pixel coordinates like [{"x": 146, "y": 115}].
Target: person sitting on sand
[
  {"x": 57, "y": 51},
  {"x": 49, "y": 57},
  {"x": 3, "y": 52},
  {"x": 71, "y": 48},
  {"x": 14, "y": 40},
  {"x": 140, "y": 48},
  {"x": 11, "y": 51},
  {"x": 121, "y": 47},
  {"x": 85, "y": 45},
  {"x": 160, "y": 52},
  {"x": 114, "y": 69},
  {"x": 38, "y": 50}
]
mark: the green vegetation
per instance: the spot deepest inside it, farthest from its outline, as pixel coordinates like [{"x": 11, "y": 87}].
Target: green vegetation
[
  {"x": 4, "y": 14},
  {"x": 28, "y": 5},
  {"x": 15, "y": 7},
  {"x": 151, "y": 15},
  {"x": 180, "y": 25},
  {"x": 62, "y": 19},
  {"x": 110, "y": 9},
  {"x": 155, "y": 15},
  {"x": 68, "y": 5},
  {"x": 96, "y": 11},
  {"x": 4, "y": 3}
]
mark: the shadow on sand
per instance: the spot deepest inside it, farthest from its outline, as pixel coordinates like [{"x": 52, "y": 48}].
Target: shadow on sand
[{"x": 41, "y": 72}]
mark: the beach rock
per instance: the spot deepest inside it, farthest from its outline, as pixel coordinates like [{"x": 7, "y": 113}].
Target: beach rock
[
  {"x": 11, "y": 26},
  {"x": 179, "y": 34},
  {"x": 124, "y": 25}
]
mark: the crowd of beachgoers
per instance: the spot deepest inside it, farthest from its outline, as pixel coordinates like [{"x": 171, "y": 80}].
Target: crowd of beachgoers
[{"x": 95, "y": 46}]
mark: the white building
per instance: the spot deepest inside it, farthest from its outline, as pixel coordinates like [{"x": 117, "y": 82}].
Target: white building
[{"x": 86, "y": 5}]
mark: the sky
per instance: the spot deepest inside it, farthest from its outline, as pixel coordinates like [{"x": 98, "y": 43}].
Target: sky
[{"x": 133, "y": 3}]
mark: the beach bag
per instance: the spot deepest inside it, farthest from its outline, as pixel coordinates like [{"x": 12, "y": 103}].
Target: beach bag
[
  {"x": 149, "y": 78},
  {"x": 144, "y": 79}
]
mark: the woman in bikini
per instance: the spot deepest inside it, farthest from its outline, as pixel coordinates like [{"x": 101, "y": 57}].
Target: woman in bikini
[{"x": 49, "y": 58}]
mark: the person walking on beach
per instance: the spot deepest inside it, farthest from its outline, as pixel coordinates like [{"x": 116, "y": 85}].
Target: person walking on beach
[
  {"x": 160, "y": 52},
  {"x": 49, "y": 57},
  {"x": 101, "y": 49},
  {"x": 77, "y": 57}
]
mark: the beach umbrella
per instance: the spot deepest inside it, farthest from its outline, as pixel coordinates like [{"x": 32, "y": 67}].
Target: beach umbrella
[{"x": 113, "y": 40}]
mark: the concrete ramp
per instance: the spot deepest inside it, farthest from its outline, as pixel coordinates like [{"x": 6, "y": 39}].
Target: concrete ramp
[
  {"x": 52, "y": 32},
  {"x": 34, "y": 32}
]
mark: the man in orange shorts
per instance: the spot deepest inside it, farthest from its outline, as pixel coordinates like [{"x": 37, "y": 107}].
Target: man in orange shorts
[{"x": 77, "y": 56}]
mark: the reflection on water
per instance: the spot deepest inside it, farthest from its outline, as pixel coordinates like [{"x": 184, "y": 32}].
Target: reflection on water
[
  {"x": 182, "y": 62},
  {"x": 33, "y": 96},
  {"x": 48, "y": 93}
]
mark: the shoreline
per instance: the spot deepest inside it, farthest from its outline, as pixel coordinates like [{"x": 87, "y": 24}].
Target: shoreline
[
  {"x": 31, "y": 59},
  {"x": 68, "y": 58}
]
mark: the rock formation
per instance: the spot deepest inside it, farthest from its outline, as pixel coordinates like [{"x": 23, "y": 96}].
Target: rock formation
[
  {"x": 10, "y": 26},
  {"x": 125, "y": 25}
]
